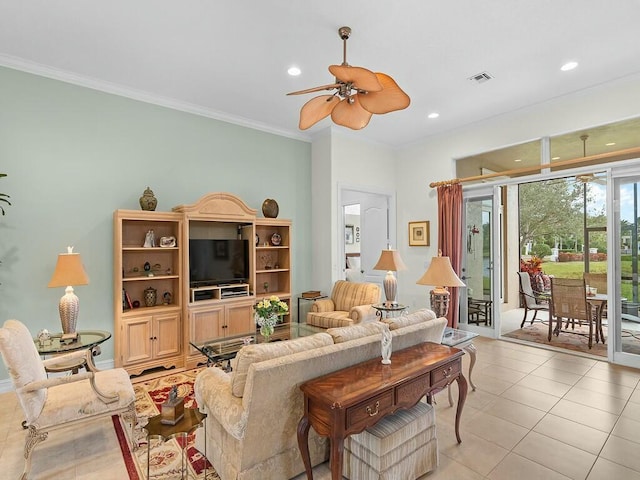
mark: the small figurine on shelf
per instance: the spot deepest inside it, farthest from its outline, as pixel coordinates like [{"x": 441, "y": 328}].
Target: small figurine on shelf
[
  {"x": 149, "y": 239},
  {"x": 266, "y": 286},
  {"x": 166, "y": 297}
]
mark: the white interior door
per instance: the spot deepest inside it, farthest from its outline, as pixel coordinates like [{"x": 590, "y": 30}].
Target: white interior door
[{"x": 371, "y": 229}]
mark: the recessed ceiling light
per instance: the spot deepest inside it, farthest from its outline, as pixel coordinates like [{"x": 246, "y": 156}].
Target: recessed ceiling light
[
  {"x": 610, "y": 144},
  {"x": 294, "y": 71},
  {"x": 518, "y": 160},
  {"x": 433, "y": 115},
  {"x": 555, "y": 158},
  {"x": 568, "y": 66}
]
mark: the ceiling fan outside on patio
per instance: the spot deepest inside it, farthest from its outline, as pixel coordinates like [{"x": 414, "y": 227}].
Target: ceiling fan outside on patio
[
  {"x": 585, "y": 178},
  {"x": 359, "y": 94}
]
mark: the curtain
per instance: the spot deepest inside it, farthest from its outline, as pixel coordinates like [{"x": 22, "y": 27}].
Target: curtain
[{"x": 450, "y": 238}]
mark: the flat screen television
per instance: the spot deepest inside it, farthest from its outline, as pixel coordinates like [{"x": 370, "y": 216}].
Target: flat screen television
[{"x": 216, "y": 262}]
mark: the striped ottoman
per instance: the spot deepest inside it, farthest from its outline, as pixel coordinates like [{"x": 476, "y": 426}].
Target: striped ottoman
[{"x": 400, "y": 446}]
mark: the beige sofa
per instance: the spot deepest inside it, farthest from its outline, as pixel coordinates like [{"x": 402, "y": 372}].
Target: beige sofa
[
  {"x": 350, "y": 303},
  {"x": 253, "y": 412}
]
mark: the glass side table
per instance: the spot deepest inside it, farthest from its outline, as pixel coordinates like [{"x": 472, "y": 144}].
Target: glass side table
[
  {"x": 452, "y": 337},
  {"x": 307, "y": 299},
  {"x": 192, "y": 419},
  {"x": 384, "y": 310},
  {"x": 87, "y": 339}
]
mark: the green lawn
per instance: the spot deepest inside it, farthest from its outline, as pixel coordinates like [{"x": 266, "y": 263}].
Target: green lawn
[
  {"x": 576, "y": 269},
  {"x": 572, "y": 269}
]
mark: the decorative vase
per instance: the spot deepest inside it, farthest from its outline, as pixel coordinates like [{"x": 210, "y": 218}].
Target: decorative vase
[
  {"x": 266, "y": 331},
  {"x": 150, "y": 297},
  {"x": 148, "y": 200},
  {"x": 270, "y": 208}
]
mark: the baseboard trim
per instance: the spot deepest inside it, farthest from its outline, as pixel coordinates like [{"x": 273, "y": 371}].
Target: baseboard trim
[{"x": 6, "y": 385}]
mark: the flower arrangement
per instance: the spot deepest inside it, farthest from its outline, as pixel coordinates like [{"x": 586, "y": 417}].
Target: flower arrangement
[{"x": 269, "y": 312}]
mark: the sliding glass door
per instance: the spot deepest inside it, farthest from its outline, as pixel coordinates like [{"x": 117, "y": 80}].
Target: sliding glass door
[
  {"x": 480, "y": 301},
  {"x": 624, "y": 304}
]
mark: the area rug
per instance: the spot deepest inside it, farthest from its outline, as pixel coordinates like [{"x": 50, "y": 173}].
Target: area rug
[
  {"x": 578, "y": 341},
  {"x": 166, "y": 457}
]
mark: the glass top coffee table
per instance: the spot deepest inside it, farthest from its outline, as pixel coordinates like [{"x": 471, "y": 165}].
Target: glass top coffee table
[
  {"x": 224, "y": 349},
  {"x": 452, "y": 337}
]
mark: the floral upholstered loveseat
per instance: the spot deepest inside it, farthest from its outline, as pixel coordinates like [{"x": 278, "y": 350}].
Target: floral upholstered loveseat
[{"x": 253, "y": 412}]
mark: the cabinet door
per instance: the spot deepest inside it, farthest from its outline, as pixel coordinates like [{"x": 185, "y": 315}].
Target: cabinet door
[
  {"x": 239, "y": 319},
  {"x": 205, "y": 325},
  {"x": 166, "y": 335},
  {"x": 137, "y": 339}
]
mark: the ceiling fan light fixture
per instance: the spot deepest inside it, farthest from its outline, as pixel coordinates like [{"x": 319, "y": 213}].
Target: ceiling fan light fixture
[{"x": 294, "y": 71}]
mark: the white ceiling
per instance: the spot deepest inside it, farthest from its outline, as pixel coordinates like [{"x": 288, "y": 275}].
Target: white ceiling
[{"x": 229, "y": 59}]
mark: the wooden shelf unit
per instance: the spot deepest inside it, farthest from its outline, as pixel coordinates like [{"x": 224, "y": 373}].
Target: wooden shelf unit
[{"x": 147, "y": 336}]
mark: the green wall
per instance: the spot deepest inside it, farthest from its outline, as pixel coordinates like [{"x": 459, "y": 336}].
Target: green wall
[{"x": 74, "y": 155}]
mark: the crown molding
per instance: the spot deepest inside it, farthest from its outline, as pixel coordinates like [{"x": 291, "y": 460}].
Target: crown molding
[{"x": 20, "y": 64}]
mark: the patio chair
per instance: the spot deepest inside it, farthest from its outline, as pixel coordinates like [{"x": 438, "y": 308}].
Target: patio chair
[
  {"x": 52, "y": 403},
  {"x": 569, "y": 300},
  {"x": 531, "y": 300}
]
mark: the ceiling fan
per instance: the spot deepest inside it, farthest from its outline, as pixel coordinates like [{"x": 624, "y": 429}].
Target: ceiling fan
[
  {"x": 359, "y": 94},
  {"x": 588, "y": 177}
]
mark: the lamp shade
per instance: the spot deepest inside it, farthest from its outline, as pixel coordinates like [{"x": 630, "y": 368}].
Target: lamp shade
[
  {"x": 390, "y": 261},
  {"x": 69, "y": 271},
  {"x": 440, "y": 274}
]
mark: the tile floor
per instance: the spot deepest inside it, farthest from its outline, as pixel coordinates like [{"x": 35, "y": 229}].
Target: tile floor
[{"x": 535, "y": 414}]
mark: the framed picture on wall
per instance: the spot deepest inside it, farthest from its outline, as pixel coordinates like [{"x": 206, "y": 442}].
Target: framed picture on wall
[
  {"x": 419, "y": 234},
  {"x": 348, "y": 234}
]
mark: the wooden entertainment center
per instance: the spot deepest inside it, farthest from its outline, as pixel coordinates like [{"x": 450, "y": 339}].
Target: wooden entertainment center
[{"x": 159, "y": 310}]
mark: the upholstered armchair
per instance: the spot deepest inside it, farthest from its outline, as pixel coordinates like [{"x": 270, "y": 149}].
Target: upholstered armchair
[
  {"x": 51, "y": 403},
  {"x": 350, "y": 303}
]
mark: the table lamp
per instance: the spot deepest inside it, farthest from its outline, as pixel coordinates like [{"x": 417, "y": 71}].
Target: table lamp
[
  {"x": 69, "y": 271},
  {"x": 440, "y": 274},
  {"x": 391, "y": 262}
]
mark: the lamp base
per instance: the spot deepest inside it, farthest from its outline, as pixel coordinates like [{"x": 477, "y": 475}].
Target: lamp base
[
  {"x": 68, "y": 308},
  {"x": 440, "y": 302},
  {"x": 390, "y": 288}
]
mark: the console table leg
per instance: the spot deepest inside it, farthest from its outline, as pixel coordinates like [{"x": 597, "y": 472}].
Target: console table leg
[
  {"x": 337, "y": 454},
  {"x": 303, "y": 445},
  {"x": 462, "y": 396},
  {"x": 471, "y": 350}
]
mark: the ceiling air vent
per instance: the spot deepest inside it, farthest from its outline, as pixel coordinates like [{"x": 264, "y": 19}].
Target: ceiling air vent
[{"x": 481, "y": 77}]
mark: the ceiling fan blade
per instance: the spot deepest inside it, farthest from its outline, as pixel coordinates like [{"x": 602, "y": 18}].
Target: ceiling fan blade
[
  {"x": 390, "y": 99},
  {"x": 315, "y": 89},
  {"x": 351, "y": 115},
  {"x": 316, "y": 109},
  {"x": 361, "y": 78}
]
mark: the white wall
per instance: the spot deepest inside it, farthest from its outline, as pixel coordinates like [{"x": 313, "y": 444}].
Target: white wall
[
  {"x": 342, "y": 159},
  {"x": 432, "y": 159}
]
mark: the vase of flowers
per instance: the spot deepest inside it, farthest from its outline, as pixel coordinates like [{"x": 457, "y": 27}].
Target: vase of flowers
[{"x": 268, "y": 313}]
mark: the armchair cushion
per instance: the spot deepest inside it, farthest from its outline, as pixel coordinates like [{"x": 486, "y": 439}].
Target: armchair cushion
[
  {"x": 265, "y": 351},
  {"x": 58, "y": 409}
]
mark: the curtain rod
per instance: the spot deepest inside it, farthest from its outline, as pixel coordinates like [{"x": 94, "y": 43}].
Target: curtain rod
[{"x": 537, "y": 168}]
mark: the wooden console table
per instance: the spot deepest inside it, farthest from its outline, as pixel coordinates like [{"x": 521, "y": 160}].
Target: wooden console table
[{"x": 348, "y": 401}]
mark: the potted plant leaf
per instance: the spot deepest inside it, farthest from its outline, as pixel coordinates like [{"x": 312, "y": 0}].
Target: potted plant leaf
[{"x": 3, "y": 196}]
